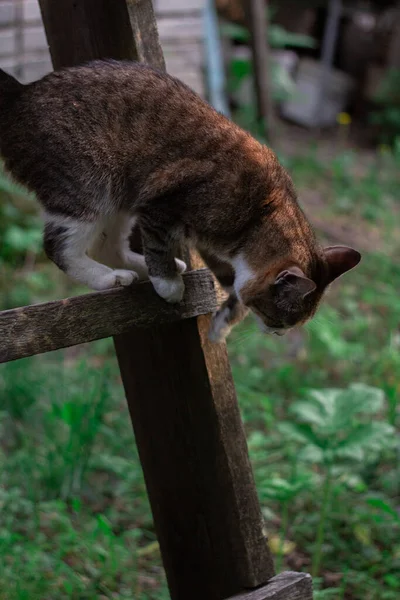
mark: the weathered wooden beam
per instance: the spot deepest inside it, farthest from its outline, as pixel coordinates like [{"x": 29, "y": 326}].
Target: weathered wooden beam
[
  {"x": 145, "y": 33},
  {"x": 257, "y": 19},
  {"x": 81, "y": 30},
  {"x": 194, "y": 455},
  {"x": 49, "y": 326},
  {"x": 286, "y": 586}
]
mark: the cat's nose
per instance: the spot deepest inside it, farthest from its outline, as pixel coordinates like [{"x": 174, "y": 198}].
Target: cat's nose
[{"x": 280, "y": 332}]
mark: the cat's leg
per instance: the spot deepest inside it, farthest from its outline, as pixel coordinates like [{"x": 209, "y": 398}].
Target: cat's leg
[
  {"x": 132, "y": 259},
  {"x": 160, "y": 239},
  {"x": 111, "y": 246},
  {"x": 232, "y": 310},
  {"x": 230, "y": 314},
  {"x": 221, "y": 269},
  {"x": 66, "y": 242}
]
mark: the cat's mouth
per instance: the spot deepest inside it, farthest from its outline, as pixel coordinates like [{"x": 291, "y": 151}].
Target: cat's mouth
[
  {"x": 274, "y": 331},
  {"x": 270, "y": 330}
]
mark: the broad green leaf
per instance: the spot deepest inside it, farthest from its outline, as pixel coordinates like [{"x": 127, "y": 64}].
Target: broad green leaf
[
  {"x": 309, "y": 411},
  {"x": 326, "y": 400},
  {"x": 372, "y": 398},
  {"x": 368, "y": 436},
  {"x": 301, "y": 432}
]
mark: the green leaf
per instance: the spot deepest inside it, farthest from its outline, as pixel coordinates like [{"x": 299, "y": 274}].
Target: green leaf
[
  {"x": 309, "y": 411},
  {"x": 359, "y": 398},
  {"x": 326, "y": 400},
  {"x": 301, "y": 432},
  {"x": 371, "y": 436},
  {"x": 383, "y": 506},
  {"x": 371, "y": 398},
  {"x": 239, "y": 70}
]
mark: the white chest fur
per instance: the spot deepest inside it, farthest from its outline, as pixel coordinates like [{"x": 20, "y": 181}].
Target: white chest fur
[{"x": 243, "y": 273}]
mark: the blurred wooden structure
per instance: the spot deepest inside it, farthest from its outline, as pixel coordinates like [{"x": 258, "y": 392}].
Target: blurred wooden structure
[
  {"x": 178, "y": 385},
  {"x": 256, "y": 13},
  {"x": 360, "y": 39},
  {"x": 24, "y": 50}
]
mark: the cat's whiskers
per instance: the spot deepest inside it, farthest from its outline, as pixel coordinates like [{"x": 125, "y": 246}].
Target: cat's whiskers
[{"x": 244, "y": 336}]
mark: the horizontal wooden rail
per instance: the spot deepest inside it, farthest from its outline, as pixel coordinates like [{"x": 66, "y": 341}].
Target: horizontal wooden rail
[
  {"x": 49, "y": 326},
  {"x": 286, "y": 586}
]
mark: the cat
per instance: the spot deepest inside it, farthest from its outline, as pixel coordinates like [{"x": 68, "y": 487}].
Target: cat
[{"x": 110, "y": 146}]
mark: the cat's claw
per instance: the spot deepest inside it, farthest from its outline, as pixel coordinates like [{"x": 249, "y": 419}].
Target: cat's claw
[
  {"x": 171, "y": 289},
  {"x": 181, "y": 266},
  {"x": 116, "y": 278},
  {"x": 220, "y": 326},
  {"x": 125, "y": 278}
]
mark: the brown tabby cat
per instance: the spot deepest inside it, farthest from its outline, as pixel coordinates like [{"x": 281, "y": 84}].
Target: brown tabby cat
[{"x": 112, "y": 144}]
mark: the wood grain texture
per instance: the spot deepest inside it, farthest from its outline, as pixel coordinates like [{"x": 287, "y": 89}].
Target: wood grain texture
[
  {"x": 81, "y": 30},
  {"x": 286, "y": 586},
  {"x": 43, "y": 327},
  {"x": 144, "y": 29},
  {"x": 194, "y": 456}
]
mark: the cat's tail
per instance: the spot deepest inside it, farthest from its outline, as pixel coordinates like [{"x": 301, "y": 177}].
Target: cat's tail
[{"x": 9, "y": 85}]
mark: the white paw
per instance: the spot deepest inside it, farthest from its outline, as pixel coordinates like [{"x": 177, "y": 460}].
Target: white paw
[
  {"x": 170, "y": 289},
  {"x": 220, "y": 327},
  {"x": 117, "y": 278},
  {"x": 181, "y": 266},
  {"x": 125, "y": 278}
]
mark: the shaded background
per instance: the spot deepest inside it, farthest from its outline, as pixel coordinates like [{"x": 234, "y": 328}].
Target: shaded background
[{"x": 320, "y": 406}]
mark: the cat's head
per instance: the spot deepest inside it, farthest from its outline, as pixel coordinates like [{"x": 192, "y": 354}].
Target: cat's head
[{"x": 285, "y": 296}]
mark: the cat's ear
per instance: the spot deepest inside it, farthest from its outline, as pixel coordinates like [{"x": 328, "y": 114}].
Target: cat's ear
[
  {"x": 293, "y": 284},
  {"x": 340, "y": 259}
]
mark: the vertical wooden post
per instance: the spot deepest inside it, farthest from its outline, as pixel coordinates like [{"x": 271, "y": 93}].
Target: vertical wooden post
[
  {"x": 194, "y": 456},
  {"x": 328, "y": 52},
  {"x": 178, "y": 386},
  {"x": 257, "y": 19}
]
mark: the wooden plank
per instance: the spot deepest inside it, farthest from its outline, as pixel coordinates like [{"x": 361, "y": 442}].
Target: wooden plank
[
  {"x": 144, "y": 29},
  {"x": 49, "y": 326},
  {"x": 179, "y": 387},
  {"x": 194, "y": 456},
  {"x": 81, "y": 30},
  {"x": 286, "y": 586}
]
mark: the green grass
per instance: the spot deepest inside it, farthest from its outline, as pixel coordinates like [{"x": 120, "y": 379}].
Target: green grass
[{"x": 75, "y": 521}]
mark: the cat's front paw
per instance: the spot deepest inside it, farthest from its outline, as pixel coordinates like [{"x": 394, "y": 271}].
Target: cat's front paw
[
  {"x": 116, "y": 278},
  {"x": 220, "y": 326},
  {"x": 171, "y": 289}
]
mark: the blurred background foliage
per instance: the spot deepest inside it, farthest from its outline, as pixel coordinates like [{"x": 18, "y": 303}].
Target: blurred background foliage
[{"x": 320, "y": 406}]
